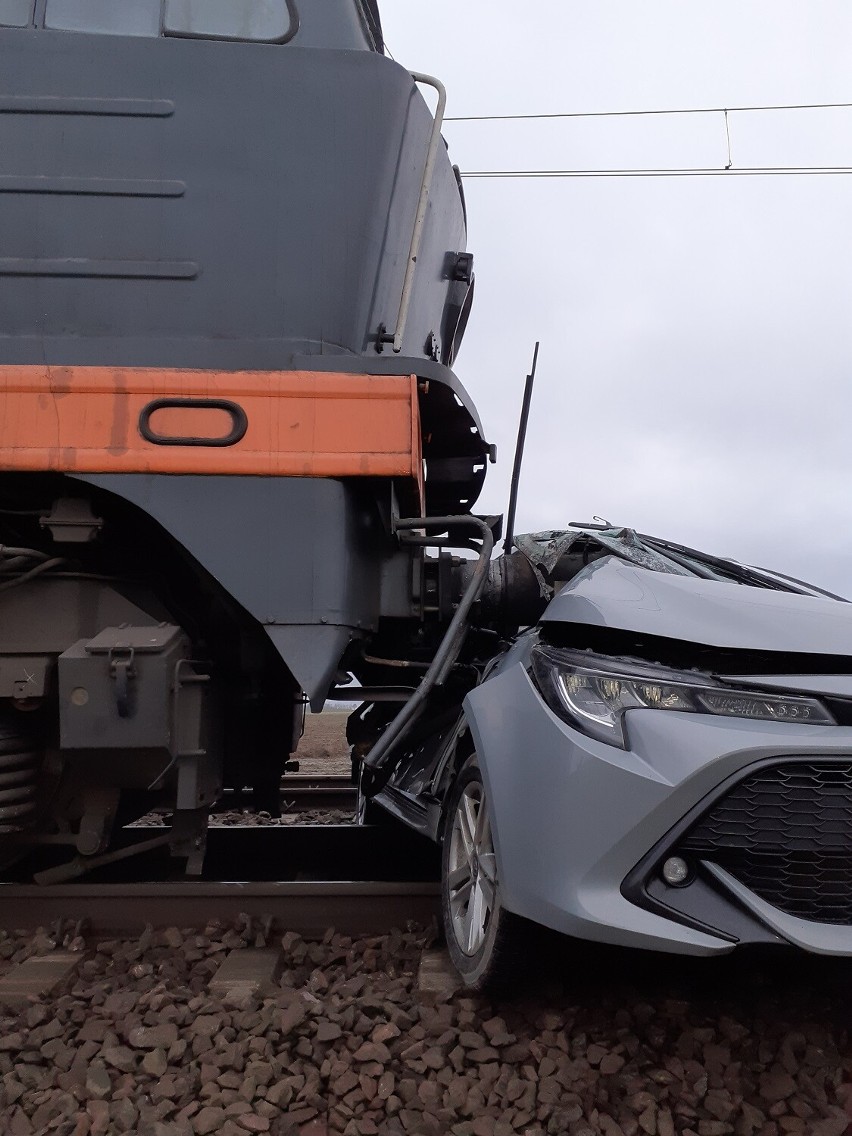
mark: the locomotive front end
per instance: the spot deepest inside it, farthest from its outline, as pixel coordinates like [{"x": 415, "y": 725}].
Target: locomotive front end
[{"x": 233, "y": 284}]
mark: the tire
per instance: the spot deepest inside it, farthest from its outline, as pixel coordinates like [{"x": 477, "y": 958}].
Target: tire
[{"x": 483, "y": 939}]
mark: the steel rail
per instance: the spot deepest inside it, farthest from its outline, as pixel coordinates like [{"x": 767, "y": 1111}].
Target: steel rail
[
  {"x": 305, "y": 878},
  {"x": 309, "y": 908},
  {"x": 304, "y": 792}
]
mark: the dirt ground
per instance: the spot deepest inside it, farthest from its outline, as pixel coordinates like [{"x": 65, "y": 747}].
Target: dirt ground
[{"x": 323, "y": 750}]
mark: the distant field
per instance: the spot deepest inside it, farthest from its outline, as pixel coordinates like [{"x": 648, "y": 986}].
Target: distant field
[{"x": 323, "y": 749}]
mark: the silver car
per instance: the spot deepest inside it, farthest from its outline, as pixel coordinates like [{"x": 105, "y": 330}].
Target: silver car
[{"x": 663, "y": 761}]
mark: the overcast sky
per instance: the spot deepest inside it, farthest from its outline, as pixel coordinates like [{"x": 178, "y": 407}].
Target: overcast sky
[{"x": 695, "y": 376}]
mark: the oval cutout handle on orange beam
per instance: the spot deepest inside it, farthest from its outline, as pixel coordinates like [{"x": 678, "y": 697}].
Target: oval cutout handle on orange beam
[{"x": 239, "y": 422}]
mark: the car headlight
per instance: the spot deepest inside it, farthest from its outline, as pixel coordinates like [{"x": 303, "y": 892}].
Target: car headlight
[{"x": 593, "y": 693}]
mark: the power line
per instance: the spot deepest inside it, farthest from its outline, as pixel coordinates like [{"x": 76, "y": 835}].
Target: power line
[
  {"x": 637, "y": 113},
  {"x": 710, "y": 171},
  {"x": 698, "y": 171}
]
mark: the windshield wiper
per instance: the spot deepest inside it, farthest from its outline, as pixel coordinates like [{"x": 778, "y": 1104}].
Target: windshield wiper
[{"x": 727, "y": 569}]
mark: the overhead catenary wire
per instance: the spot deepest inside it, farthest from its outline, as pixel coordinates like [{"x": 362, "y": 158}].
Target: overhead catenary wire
[
  {"x": 698, "y": 171},
  {"x": 680, "y": 172},
  {"x": 638, "y": 113}
]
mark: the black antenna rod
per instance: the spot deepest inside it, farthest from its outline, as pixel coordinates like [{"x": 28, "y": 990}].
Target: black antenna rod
[{"x": 519, "y": 455}]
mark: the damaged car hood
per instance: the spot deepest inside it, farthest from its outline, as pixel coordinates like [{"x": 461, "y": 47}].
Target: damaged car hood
[{"x": 613, "y": 593}]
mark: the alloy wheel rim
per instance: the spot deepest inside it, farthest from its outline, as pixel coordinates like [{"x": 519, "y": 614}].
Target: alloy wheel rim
[{"x": 471, "y": 870}]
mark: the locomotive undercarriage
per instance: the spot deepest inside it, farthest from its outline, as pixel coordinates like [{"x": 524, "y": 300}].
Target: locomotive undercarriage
[
  {"x": 132, "y": 681},
  {"x": 129, "y": 682},
  {"x": 235, "y": 412}
]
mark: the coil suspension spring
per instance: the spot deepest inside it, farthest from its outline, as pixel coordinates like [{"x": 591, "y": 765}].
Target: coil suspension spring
[{"x": 20, "y": 764}]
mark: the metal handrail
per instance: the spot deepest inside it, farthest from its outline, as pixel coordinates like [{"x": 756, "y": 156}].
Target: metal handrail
[{"x": 420, "y": 218}]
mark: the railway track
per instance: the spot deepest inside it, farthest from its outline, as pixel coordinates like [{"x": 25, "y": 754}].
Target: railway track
[
  {"x": 303, "y": 878},
  {"x": 308, "y": 908},
  {"x": 306, "y": 793},
  {"x": 312, "y": 793}
]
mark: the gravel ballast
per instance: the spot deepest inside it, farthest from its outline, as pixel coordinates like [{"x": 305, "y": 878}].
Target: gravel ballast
[
  {"x": 588, "y": 1042},
  {"x": 247, "y": 818}
]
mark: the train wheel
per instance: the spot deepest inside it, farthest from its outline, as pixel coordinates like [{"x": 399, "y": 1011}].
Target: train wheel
[{"x": 482, "y": 937}]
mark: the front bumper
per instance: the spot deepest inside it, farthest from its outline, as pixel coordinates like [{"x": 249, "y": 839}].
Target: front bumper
[{"x": 580, "y": 827}]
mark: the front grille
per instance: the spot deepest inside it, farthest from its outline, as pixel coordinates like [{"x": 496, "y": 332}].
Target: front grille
[{"x": 786, "y": 833}]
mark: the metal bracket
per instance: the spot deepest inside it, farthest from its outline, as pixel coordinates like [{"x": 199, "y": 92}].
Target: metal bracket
[
  {"x": 383, "y": 336},
  {"x": 461, "y": 267},
  {"x": 72, "y": 521},
  {"x": 189, "y": 838},
  {"x": 122, "y": 669}
]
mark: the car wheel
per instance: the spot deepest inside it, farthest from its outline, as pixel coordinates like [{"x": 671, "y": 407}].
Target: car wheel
[
  {"x": 481, "y": 935},
  {"x": 367, "y": 812}
]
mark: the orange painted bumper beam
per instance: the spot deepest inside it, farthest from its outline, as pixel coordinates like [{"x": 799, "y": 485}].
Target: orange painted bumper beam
[{"x": 255, "y": 423}]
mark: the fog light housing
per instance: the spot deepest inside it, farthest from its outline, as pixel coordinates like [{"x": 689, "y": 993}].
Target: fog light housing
[{"x": 676, "y": 871}]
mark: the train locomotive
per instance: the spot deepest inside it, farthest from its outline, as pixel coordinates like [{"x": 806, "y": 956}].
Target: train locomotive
[{"x": 236, "y": 467}]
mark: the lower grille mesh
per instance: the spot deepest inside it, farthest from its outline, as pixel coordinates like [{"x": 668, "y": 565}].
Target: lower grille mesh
[{"x": 786, "y": 833}]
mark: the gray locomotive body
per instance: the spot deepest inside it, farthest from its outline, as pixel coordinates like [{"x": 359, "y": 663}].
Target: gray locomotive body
[{"x": 229, "y": 231}]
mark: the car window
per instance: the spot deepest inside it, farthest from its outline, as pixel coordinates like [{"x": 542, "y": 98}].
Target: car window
[
  {"x": 261, "y": 20},
  {"x": 109, "y": 17},
  {"x": 16, "y": 13}
]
